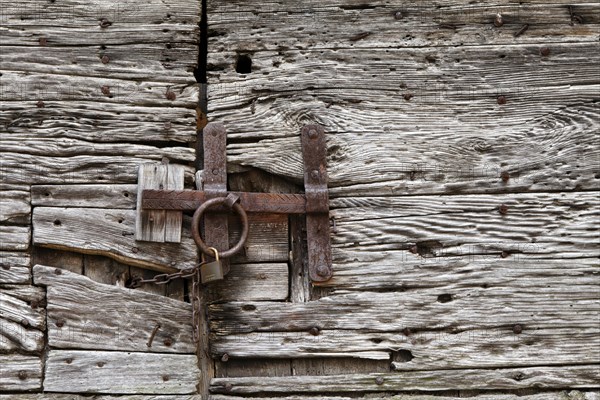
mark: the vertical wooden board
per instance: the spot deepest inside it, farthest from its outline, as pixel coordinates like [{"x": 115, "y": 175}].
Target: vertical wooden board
[
  {"x": 19, "y": 373},
  {"x": 111, "y": 372},
  {"x": 173, "y": 219},
  {"x": 150, "y": 224}
]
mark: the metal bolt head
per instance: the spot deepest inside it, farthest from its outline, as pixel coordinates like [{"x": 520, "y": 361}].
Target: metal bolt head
[
  {"x": 314, "y": 174},
  {"x": 517, "y": 329},
  {"x": 545, "y": 51},
  {"x": 60, "y": 323},
  {"x": 498, "y": 21},
  {"x": 314, "y": 331},
  {"x": 379, "y": 380},
  {"x": 322, "y": 270},
  {"x": 398, "y": 15},
  {"x": 501, "y": 99},
  {"x": 25, "y": 322},
  {"x": 105, "y": 59},
  {"x": 312, "y": 133},
  {"x": 134, "y": 250},
  {"x": 503, "y": 209},
  {"x": 170, "y": 95}
]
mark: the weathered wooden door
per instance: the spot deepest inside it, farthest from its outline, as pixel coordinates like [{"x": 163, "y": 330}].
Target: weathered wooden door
[{"x": 463, "y": 161}]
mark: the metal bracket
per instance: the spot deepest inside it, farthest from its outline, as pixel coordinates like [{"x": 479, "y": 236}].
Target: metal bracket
[{"x": 314, "y": 203}]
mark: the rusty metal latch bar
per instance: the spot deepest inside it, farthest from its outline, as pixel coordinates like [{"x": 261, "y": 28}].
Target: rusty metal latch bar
[{"x": 214, "y": 200}]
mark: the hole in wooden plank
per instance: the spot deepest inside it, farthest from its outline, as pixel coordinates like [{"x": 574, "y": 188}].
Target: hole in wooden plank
[
  {"x": 248, "y": 307},
  {"x": 403, "y": 355},
  {"x": 57, "y": 222},
  {"x": 445, "y": 298},
  {"x": 243, "y": 64}
]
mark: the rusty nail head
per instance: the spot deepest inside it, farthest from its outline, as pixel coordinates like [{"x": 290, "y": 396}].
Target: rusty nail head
[
  {"x": 168, "y": 125},
  {"x": 105, "y": 23},
  {"x": 498, "y": 22},
  {"x": 503, "y": 209},
  {"x": 105, "y": 90},
  {"x": 57, "y": 271},
  {"x": 518, "y": 328},
  {"x": 25, "y": 322},
  {"x": 215, "y": 171},
  {"x": 170, "y": 95},
  {"x": 100, "y": 364},
  {"x": 322, "y": 270},
  {"x": 398, "y": 15},
  {"x": 407, "y": 96},
  {"x": 505, "y": 176},
  {"x": 314, "y": 331},
  {"x": 22, "y": 375},
  {"x": 501, "y": 99},
  {"x": 105, "y": 59},
  {"x": 312, "y": 133},
  {"x": 40, "y": 104},
  {"x": 413, "y": 249},
  {"x": 225, "y": 357},
  {"x": 504, "y": 254},
  {"x": 314, "y": 174},
  {"x": 228, "y": 387},
  {"x": 68, "y": 360},
  {"x": 135, "y": 250},
  {"x": 43, "y": 41},
  {"x": 168, "y": 342},
  {"x": 165, "y": 378},
  {"x": 60, "y": 323},
  {"x": 545, "y": 51},
  {"x": 262, "y": 276},
  {"x": 379, "y": 380}
]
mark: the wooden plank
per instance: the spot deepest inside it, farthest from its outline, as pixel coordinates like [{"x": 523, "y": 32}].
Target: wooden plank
[
  {"x": 15, "y": 207},
  {"x": 14, "y": 267},
  {"x": 563, "y": 395},
  {"x": 424, "y": 349},
  {"x": 58, "y": 258},
  {"x": 20, "y": 373},
  {"x": 20, "y": 168},
  {"x": 538, "y": 307},
  {"x": 58, "y": 396},
  {"x": 73, "y": 371},
  {"x": 14, "y": 238},
  {"x": 173, "y": 219},
  {"x": 84, "y": 196},
  {"x": 338, "y": 24},
  {"x": 22, "y": 318},
  {"x": 110, "y": 233},
  {"x": 585, "y": 376},
  {"x": 117, "y": 319},
  {"x": 150, "y": 224},
  {"x": 265, "y": 281},
  {"x": 267, "y": 238}
]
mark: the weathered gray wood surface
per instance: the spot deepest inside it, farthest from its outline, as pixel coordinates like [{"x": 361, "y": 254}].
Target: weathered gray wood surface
[
  {"x": 22, "y": 318},
  {"x": 14, "y": 267},
  {"x": 539, "y": 377},
  {"x": 20, "y": 373},
  {"x": 86, "y": 196},
  {"x": 14, "y": 237},
  {"x": 565, "y": 395},
  {"x": 74, "y": 371},
  {"x": 83, "y": 314},
  {"x": 15, "y": 205}
]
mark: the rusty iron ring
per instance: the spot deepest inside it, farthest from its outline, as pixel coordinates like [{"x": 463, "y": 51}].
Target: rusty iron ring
[{"x": 235, "y": 206}]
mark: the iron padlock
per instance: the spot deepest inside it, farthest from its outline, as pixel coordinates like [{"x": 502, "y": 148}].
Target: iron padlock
[{"x": 212, "y": 271}]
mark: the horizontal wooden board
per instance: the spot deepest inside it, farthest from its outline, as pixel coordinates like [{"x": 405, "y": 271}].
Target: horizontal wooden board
[
  {"x": 58, "y": 396},
  {"x": 22, "y": 318},
  {"x": 539, "y": 307},
  {"x": 14, "y": 267},
  {"x": 276, "y": 25},
  {"x": 83, "y": 314},
  {"x": 84, "y": 196},
  {"x": 425, "y": 350},
  {"x": 14, "y": 238},
  {"x": 111, "y": 233},
  {"x": 265, "y": 281},
  {"x": 20, "y": 373},
  {"x": 71, "y": 371},
  {"x": 15, "y": 204},
  {"x": 513, "y": 378},
  {"x": 406, "y": 231},
  {"x": 97, "y": 121}
]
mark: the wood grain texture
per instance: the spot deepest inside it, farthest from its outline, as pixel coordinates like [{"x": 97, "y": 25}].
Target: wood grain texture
[
  {"x": 22, "y": 318},
  {"x": 110, "y": 233},
  {"x": 84, "y": 196},
  {"x": 15, "y": 207},
  {"x": 150, "y": 224},
  {"x": 72, "y": 371},
  {"x": 59, "y": 396},
  {"x": 264, "y": 281},
  {"x": 20, "y": 373},
  {"x": 535, "y": 377},
  {"x": 14, "y": 237},
  {"x": 83, "y": 314},
  {"x": 14, "y": 267},
  {"x": 355, "y": 24}
]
